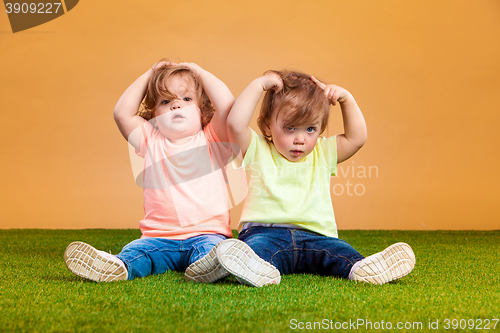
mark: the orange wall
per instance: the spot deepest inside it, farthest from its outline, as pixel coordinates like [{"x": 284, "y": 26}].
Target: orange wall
[{"x": 425, "y": 73}]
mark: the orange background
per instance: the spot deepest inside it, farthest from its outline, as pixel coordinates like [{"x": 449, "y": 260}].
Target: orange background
[{"x": 426, "y": 75}]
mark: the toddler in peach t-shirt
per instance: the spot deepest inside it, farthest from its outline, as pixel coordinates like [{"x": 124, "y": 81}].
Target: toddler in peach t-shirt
[{"x": 183, "y": 139}]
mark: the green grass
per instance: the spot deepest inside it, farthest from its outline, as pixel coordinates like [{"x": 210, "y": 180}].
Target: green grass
[{"x": 456, "y": 277}]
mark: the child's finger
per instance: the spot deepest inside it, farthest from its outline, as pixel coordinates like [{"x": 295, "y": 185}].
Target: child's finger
[
  {"x": 162, "y": 64},
  {"x": 335, "y": 98},
  {"x": 342, "y": 99},
  {"x": 155, "y": 66},
  {"x": 279, "y": 85},
  {"x": 169, "y": 63},
  {"x": 329, "y": 92},
  {"x": 273, "y": 82},
  {"x": 318, "y": 82}
]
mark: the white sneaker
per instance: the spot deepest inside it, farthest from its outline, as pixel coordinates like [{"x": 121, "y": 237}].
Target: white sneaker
[
  {"x": 391, "y": 264},
  {"x": 248, "y": 268},
  {"x": 85, "y": 261},
  {"x": 207, "y": 269}
]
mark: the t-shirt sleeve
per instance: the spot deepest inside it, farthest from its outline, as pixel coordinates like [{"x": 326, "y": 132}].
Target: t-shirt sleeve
[
  {"x": 147, "y": 135},
  {"x": 329, "y": 146},
  {"x": 216, "y": 144}
]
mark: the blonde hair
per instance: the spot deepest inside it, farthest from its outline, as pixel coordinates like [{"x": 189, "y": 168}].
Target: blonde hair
[
  {"x": 157, "y": 90},
  {"x": 302, "y": 101}
]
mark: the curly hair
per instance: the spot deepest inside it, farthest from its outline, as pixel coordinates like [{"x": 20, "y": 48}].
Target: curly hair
[
  {"x": 157, "y": 89},
  {"x": 301, "y": 100}
]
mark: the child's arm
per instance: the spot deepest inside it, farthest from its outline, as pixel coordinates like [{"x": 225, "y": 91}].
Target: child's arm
[
  {"x": 242, "y": 111},
  {"x": 219, "y": 95},
  {"x": 126, "y": 108},
  {"x": 354, "y": 124}
]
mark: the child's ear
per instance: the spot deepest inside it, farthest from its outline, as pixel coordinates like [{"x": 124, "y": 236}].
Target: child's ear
[
  {"x": 265, "y": 127},
  {"x": 267, "y": 130}
]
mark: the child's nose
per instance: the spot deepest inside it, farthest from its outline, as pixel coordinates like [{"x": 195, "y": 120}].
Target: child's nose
[
  {"x": 175, "y": 105},
  {"x": 299, "y": 139}
]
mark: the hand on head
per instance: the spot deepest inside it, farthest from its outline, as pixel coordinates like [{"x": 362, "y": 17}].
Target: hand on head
[
  {"x": 194, "y": 68},
  {"x": 162, "y": 64},
  {"x": 272, "y": 81},
  {"x": 191, "y": 66},
  {"x": 332, "y": 92}
]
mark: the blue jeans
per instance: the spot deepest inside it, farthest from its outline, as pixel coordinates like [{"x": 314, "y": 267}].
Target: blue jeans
[
  {"x": 147, "y": 256},
  {"x": 294, "y": 251}
]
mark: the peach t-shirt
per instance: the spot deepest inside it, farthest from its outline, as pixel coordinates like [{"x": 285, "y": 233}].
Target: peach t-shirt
[{"x": 185, "y": 188}]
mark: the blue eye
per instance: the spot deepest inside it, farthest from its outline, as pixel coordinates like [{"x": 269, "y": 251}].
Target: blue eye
[
  {"x": 165, "y": 101},
  {"x": 311, "y": 129},
  {"x": 290, "y": 128},
  {"x": 187, "y": 99}
]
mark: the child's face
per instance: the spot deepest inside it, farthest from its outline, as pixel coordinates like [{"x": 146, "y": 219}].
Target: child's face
[
  {"x": 179, "y": 118},
  {"x": 294, "y": 143}
]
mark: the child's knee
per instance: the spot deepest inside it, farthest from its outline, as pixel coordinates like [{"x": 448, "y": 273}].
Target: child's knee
[
  {"x": 138, "y": 245},
  {"x": 202, "y": 247}
]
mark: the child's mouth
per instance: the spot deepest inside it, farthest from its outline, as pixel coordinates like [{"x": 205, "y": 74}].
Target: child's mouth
[{"x": 296, "y": 152}]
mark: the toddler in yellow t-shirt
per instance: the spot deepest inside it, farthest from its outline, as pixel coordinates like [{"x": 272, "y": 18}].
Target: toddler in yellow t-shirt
[{"x": 287, "y": 221}]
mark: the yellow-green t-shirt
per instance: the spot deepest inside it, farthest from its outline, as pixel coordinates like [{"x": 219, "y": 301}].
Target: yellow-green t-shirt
[{"x": 280, "y": 191}]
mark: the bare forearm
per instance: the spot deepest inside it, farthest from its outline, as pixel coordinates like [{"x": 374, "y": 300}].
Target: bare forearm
[
  {"x": 127, "y": 106},
  {"x": 130, "y": 101},
  {"x": 221, "y": 97},
  {"x": 244, "y": 107},
  {"x": 354, "y": 123}
]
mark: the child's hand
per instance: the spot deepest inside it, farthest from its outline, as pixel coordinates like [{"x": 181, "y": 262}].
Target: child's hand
[
  {"x": 271, "y": 81},
  {"x": 332, "y": 92},
  {"x": 162, "y": 64},
  {"x": 192, "y": 67}
]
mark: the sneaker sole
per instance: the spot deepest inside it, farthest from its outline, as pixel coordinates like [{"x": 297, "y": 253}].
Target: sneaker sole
[
  {"x": 395, "y": 262},
  {"x": 207, "y": 269},
  {"x": 240, "y": 260},
  {"x": 85, "y": 261}
]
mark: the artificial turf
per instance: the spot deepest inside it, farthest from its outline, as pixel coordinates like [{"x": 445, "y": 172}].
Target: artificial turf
[{"x": 455, "y": 284}]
